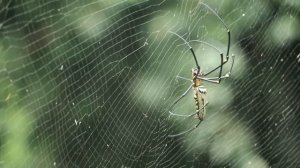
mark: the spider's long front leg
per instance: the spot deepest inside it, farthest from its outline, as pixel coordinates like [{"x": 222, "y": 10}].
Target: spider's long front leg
[{"x": 223, "y": 62}]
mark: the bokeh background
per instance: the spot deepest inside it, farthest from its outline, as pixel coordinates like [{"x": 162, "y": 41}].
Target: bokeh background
[{"x": 90, "y": 83}]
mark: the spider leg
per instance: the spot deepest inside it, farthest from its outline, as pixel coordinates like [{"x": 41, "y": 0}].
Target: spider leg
[
  {"x": 228, "y": 46},
  {"x": 183, "y": 115},
  {"x": 208, "y": 44},
  {"x": 187, "y": 115},
  {"x": 187, "y": 131},
  {"x": 190, "y": 47},
  {"x": 217, "y": 80},
  {"x": 213, "y": 78},
  {"x": 191, "y": 129},
  {"x": 182, "y": 96},
  {"x": 183, "y": 78}
]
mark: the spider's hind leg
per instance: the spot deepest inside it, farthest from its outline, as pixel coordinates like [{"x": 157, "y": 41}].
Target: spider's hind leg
[
  {"x": 189, "y": 115},
  {"x": 187, "y": 131},
  {"x": 182, "y": 96}
]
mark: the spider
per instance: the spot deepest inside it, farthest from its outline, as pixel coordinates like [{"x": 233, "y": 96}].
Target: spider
[{"x": 198, "y": 76}]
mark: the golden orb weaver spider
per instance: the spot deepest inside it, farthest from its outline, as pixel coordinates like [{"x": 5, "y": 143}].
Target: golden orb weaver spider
[{"x": 198, "y": 77}]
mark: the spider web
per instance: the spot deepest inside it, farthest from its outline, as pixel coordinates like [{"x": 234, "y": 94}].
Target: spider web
[{"x": 90, "y": 84}]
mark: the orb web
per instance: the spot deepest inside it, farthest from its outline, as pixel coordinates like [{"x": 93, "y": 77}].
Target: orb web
[{"x": 91, "y": 83}]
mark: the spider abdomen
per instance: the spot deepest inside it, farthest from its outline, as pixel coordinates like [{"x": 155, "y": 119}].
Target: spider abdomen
[{"x": 200, "y": 101}]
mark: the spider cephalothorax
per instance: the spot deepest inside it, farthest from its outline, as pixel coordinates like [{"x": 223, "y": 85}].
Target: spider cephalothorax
[{"x": 195, "y": 74}]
